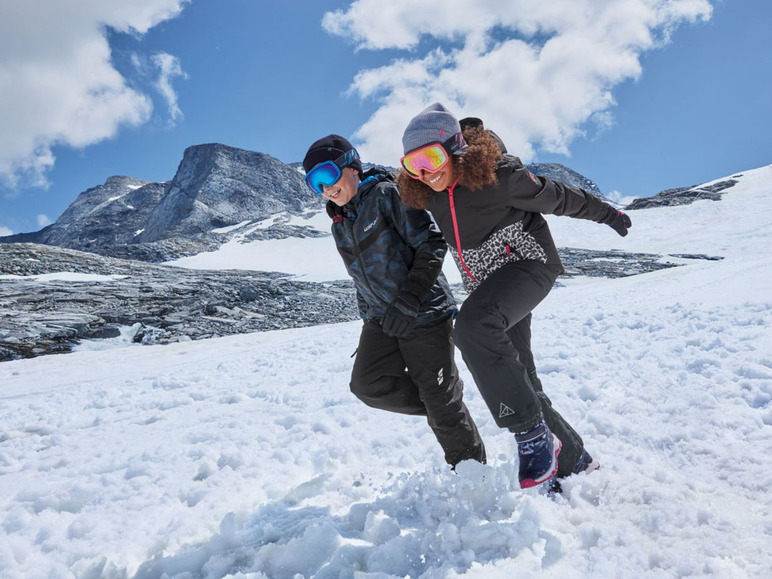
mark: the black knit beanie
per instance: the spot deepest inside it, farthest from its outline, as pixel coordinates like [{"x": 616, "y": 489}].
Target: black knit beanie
[{"x": 329, "y": 148}]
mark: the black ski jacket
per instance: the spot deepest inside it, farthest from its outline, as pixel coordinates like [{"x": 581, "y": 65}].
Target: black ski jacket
[
  {"x": 503, "y": 223},
  {"x": 388, "y": 247}
]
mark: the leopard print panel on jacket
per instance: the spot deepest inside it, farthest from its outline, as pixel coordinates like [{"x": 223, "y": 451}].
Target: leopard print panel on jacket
[{"x": 503, "y": 247}]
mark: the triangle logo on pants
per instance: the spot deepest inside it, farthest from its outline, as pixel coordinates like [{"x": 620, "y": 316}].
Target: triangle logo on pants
[{"x": 505, "y": 410}]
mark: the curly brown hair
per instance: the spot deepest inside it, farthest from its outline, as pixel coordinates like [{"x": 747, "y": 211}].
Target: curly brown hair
[{"x": 474, "y": 169}]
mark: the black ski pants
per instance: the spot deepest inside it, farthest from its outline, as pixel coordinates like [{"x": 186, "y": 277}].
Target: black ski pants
[
  {"x": 417, "y": 375},
  {"x": 493, "y": 332}
]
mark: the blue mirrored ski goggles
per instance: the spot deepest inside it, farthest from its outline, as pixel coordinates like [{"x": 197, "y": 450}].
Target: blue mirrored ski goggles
[{"x": 327, "y": 174}]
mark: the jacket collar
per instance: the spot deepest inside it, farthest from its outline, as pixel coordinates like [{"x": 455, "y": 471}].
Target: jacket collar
[{"x": 370, "y": 179}]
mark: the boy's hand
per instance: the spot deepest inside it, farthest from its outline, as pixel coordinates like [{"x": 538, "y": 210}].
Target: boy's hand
[{"x": 400, "y": 316}]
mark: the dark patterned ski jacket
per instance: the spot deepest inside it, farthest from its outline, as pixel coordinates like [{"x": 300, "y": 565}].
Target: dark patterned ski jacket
[
  {"x": 388, "y": 247},
  {"x": 503, "y": 223}
]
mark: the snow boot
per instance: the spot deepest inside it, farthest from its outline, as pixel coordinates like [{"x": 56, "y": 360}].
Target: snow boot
[
  {"x": 537, "y": 449},
  {"x": 586, "y": 464}
]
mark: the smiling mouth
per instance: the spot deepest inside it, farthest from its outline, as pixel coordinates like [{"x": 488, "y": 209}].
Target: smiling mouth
[{"x": 434, "y": 180}]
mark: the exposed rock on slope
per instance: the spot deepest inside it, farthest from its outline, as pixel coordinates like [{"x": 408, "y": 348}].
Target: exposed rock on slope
[
  {"x": 168, "y": 304},
  {"x": 686, "y": 195}
]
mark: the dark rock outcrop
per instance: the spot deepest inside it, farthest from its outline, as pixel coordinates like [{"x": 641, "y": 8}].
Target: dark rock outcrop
[
  {"x": 167, "y": 304},
  {"x": 685, "y": 195}
]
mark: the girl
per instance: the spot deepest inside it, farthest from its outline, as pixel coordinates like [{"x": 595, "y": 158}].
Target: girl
[{"x": 489, "y": 209}]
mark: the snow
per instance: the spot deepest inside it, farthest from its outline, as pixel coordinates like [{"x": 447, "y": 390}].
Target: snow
[
  {"x": 304, "y": 259},
  {"x": 247, "y": 456}
]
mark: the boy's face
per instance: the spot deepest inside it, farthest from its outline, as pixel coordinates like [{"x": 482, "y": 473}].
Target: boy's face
[{"x": 344, "y": 189}]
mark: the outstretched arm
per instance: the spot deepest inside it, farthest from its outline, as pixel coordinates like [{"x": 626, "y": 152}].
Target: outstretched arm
[{"x": 542, "y": 195}]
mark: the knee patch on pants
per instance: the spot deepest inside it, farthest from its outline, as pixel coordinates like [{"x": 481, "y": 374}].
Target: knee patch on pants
[{"x": 390, "y": 393}]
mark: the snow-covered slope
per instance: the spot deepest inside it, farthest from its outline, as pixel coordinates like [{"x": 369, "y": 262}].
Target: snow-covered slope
[
  {"x": 305, "y": 258},
  {"x": 247, "y": 456},
  {"x": 733, "y": 225}
]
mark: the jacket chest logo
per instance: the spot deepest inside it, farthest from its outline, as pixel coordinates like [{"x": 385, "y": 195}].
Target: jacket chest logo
[{"x": 369, "y": 226}]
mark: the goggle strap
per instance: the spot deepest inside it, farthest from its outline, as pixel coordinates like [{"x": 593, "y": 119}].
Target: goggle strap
[
  {"x": 347, "y": 158},
  {"x": 454, "y": 143}
]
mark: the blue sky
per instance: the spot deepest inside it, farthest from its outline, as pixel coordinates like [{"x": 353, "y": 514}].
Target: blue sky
[{"x": 637, "y": 95}]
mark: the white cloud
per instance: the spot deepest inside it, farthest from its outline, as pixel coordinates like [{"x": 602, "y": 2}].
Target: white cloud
[
  {"x": 59, "y": 85},
  {"x": 539, "y": 73},
  {"x": 5, "y": 231},
  {"x": 43, "y": 220},
  {"x": 169, "y": 67}
]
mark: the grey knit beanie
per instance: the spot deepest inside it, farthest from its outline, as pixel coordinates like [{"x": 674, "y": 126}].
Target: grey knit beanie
[{"x": 432, "y": 125}]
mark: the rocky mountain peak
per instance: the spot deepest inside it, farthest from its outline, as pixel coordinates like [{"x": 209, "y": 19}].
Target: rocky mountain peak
[
  {"x": 94, "y": 198},
  {"x": 217, "y": 186},
  {"x": 558, "y": 172}
]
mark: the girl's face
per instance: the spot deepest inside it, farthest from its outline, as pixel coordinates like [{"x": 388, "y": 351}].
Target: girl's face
[{"x": 438, "y": 180}]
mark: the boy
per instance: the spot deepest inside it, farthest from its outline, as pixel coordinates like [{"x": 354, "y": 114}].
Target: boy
[{"x": 404, "y": 362}]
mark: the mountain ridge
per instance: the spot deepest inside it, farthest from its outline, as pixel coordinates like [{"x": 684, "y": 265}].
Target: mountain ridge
[{"x": 216, "y": 187}]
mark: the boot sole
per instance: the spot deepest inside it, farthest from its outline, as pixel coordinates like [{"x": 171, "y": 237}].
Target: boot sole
[{"x": 530, "y": 483}]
